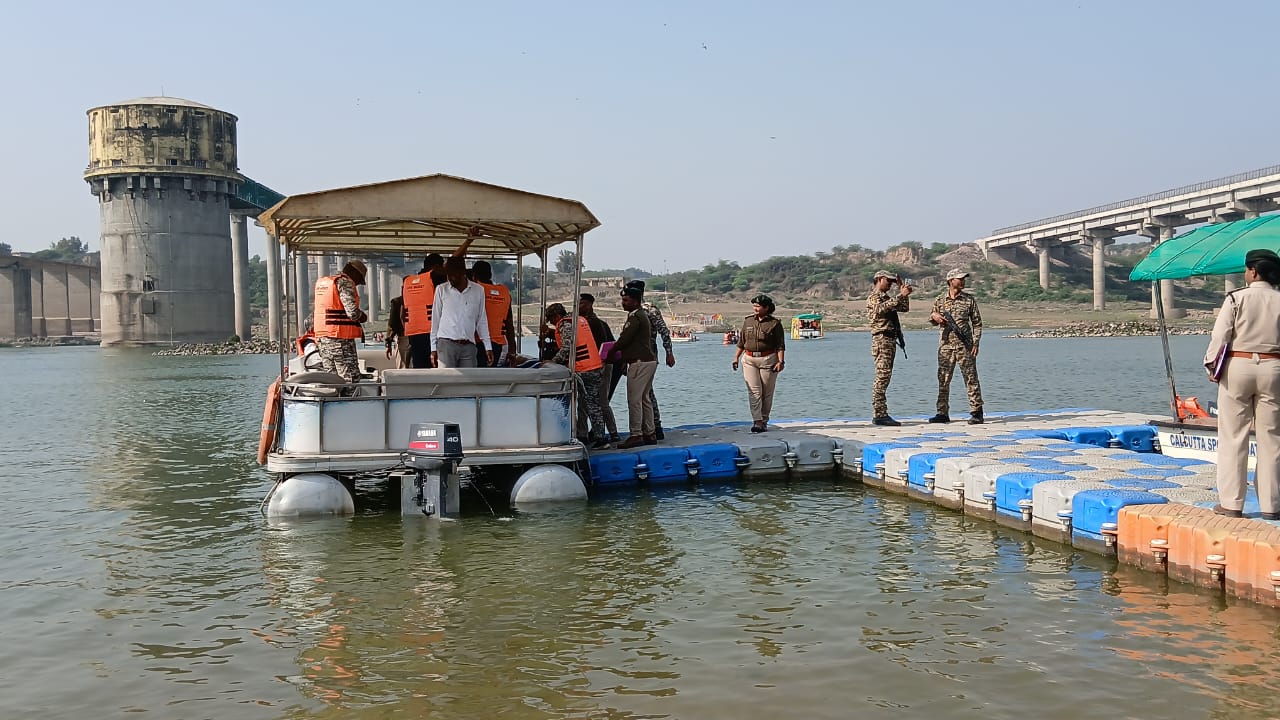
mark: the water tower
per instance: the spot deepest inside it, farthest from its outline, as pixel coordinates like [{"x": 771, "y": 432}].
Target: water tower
[{"x": 164, "y": 172}]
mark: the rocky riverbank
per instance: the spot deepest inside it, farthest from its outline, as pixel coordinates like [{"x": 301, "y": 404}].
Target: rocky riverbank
[
  {"x": 50, "y": 341},
  {"x": 253, "y": 347},
  {"x": 1134, "y": 328}
]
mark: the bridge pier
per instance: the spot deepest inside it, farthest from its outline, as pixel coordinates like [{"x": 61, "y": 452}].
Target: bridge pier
[
  {"x": 1163, "y": 233},
  {"x": 1042, "y": 254},
  {"x": 371, "y": 286},
  {"x": 240, "y": 275},
  {"x": 272, "y": 259},
  {"x": 1099, "y": 273},
  {"x": 302, "y": 279}
]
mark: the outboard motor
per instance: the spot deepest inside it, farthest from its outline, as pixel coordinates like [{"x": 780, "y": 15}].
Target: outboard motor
[{"x": 435, "y": 450}]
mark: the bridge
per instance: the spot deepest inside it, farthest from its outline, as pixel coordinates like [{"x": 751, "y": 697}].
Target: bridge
[{"x": 1156, "y": 216}]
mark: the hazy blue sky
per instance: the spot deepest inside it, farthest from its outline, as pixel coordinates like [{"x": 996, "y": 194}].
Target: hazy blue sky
[{"x": 694, "y": 130}]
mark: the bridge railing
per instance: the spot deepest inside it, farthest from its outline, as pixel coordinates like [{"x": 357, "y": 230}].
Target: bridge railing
[{"x": 1153, "y": 197}]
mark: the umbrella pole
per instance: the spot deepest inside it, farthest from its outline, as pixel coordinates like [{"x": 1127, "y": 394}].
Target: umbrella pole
[{"x": 1168, "y": 358}]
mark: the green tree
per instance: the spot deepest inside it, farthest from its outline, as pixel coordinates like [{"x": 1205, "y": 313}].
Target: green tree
[
  {"x": 567, "y": 262},
  {"x": 68, "y": 249}
]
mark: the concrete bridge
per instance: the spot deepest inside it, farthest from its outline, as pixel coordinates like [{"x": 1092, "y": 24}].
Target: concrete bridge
[
  {"x": 1156, "y": 216},
  {"x": 45, "y": 298}
]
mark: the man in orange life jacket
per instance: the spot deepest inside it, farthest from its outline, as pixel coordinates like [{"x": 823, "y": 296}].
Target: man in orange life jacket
[
  {"x": 337, "y": 320},
  {"x": 586, "y": 363},
  {"x": 419, "y": 296},
  {"x": 497, "y": 308}
]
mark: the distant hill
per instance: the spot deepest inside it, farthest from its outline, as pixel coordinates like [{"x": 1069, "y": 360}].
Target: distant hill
[{"x": 846, "y": 272}]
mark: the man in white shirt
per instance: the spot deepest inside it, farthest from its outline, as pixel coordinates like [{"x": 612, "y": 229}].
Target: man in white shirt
[{"x": 457, "y": 319}]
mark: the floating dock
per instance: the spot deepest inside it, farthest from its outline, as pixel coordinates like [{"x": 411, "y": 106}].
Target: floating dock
[{"x": 1093, "y": 479}]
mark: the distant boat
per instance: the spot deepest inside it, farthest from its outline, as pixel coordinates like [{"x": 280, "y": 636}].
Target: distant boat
[
  {"x": 683, "y": 335},
  {"x": 807, "y": 327},
  {"x": 731, "y": 337}
]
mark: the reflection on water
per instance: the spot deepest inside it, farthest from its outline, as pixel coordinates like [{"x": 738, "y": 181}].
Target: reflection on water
[{"x": 138, "y": 575}]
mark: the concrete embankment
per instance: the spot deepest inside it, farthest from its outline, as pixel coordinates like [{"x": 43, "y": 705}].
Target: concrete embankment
[
  {"x": 1109, "y": 329},
  {"x": 70, "y": 340}
]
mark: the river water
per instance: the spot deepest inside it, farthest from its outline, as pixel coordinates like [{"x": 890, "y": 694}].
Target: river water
[{"x": 139, "y": 579}]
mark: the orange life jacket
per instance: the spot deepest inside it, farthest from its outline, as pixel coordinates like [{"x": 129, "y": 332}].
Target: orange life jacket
[
  {"x": 330, "y": 318},
  {"x": 419, "y": 295},
  {"x": 586, "y": 356},
  {"x": 497, "y": 304}
]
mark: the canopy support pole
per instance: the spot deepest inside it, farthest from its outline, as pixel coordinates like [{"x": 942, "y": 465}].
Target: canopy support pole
[
  {"x": 519, "y": 348},
  {"x": 1164, "y": 341},
  {"x": 573, "y": 336}
]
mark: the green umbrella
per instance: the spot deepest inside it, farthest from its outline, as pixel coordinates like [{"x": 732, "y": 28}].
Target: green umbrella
[{"x": 1210, "y": 250}]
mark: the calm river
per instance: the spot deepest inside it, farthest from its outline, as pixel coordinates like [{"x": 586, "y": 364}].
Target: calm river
[{"x": 140, "y": 581}]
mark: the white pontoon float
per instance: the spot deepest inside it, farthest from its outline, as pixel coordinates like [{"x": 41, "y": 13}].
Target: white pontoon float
[{"x": 515, "y": 425}]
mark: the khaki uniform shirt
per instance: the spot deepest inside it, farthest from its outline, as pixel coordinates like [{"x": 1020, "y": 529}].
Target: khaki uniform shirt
[
  {"x": 1249, "y": 320},
  {"x": 880, "y": 306},
  {"x": 964, "y": 309},
  {"x": 762, "y": 336}
]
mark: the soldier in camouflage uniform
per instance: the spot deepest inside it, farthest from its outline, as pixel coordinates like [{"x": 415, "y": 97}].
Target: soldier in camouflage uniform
[
  {"x": 882, "y": 313},
  {"x": 339, "y": 355},
  {"x": 956, "y": 311},
  {"x": 590, "y": 379}
]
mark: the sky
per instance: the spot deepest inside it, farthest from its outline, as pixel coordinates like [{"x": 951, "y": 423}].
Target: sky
[{"x": 695, "y": 131}]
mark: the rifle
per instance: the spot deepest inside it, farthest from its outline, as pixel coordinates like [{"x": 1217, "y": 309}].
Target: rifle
[
  {"x": 951, "y": 326},
  {"x": 897, "y": 324}
]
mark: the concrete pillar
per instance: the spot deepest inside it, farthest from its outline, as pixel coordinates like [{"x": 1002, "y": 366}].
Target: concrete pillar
[
  {"x": 371, "y": 288},
  {"x": 57, "y": 306},
  {"x": 15, "y": 300},
  {"x": 79, "y": 301},
  {"x": 36, "y": 275},
  {"x": 305, "y": 291},
  {"x": 272, "y": 259},
  {"x": 1042, "y": 252},
  {"x": 1166, "y": 286},
  {"x": 240, "y": 275},
  {"x": 1099, "y": 274}
]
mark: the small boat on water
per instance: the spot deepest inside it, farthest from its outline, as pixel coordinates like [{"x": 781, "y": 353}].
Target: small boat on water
[
  {"x": 731, "y": 337},
  {"x": 683, "y": 335},
  {"x": 807, "y": 327}
]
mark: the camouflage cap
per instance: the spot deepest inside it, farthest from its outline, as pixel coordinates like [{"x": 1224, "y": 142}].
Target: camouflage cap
[
  {"x": 957, "y": 273},
  {"x": 884, "y": 274}
]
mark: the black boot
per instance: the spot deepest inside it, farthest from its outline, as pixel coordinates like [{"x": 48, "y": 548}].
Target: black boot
[
  {"x": 940, "y": 418},
  {"x": 885, "y": 420},
  {"x": 975, "y": 418}
]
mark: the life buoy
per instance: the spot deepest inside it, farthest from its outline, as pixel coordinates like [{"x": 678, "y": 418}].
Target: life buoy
[{"x": 270, "y": 420}]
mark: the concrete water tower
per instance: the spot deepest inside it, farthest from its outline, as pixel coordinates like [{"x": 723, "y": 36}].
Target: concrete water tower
[{"x": 164, "y": 172}]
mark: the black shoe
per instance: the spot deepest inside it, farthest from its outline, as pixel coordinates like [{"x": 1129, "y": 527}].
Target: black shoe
[
  {"x": 661, "y": 435},
  {"x": 886, "y": 421},
  {"x": 940, "y": 418},
  {"x": 757, "y": 428},
  {"x": 600, "y": 444},
  {"x": 1219, "y": 510},
  {"x": 615, "y": 438},
  {"x": 975, "y": 418},
  {"x": 1271, "y": 516}
]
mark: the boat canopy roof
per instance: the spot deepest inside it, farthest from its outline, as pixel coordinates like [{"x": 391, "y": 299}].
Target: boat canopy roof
[
  {"x": 433, "y": 213},
  {"x": 1210, "y": 250},
  {"x": 809, "y": 316}
]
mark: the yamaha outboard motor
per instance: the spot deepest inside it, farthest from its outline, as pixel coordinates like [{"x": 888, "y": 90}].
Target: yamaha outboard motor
[{"x": 435, "y": 450}]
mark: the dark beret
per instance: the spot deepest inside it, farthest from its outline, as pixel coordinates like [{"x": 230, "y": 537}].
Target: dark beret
[
  {"x": 632, "y": 292},
  {"x": 636, "y": 285},
  {"x": 588, "y": 297},
  {"x": 1253, "y": 256},
  {"x": 763, "y": 300}
]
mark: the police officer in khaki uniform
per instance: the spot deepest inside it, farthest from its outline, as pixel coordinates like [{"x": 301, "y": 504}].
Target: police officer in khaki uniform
[
  {"x": 956, "y": 312},
  {"x": 1248, "y": 332},
  {"x": 886, "y": 332}
]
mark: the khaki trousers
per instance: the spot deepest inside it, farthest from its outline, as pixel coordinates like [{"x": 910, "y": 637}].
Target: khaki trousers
[
  {"x": 760, "y": 377},
  {"x": 639, "y": 405},
  {"x": 1249, "y": 392}
]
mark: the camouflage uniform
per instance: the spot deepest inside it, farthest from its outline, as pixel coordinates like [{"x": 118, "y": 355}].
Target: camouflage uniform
[
  {"x": 338, "y": 355},
  {"x": 882, "y": 307},
  {"x": 589, "y": 392},
  {"x": 657, "y": 326},
  {"x": 951, "y": 350}
]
